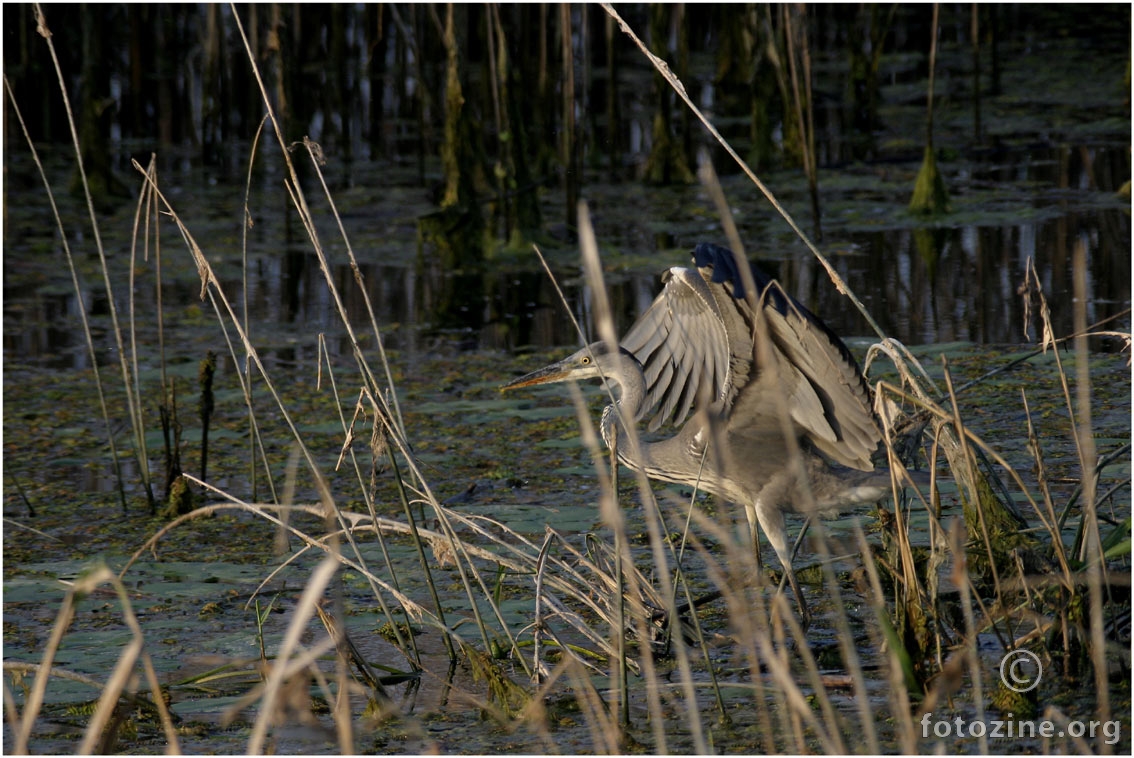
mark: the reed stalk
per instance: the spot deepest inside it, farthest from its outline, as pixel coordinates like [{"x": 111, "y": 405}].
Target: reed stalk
[
  {"x": 133, "y": 401},
  {"x": 113, "y": 690},
  {"x": 91, "y": 353}
]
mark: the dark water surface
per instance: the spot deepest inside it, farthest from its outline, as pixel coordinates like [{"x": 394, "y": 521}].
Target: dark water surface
[
  {"x": 1046, "y": 174},
  {"x": 956, "y": 279}
]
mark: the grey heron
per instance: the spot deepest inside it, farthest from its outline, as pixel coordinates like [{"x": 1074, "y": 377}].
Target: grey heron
[{"x": 752, "y": 377}]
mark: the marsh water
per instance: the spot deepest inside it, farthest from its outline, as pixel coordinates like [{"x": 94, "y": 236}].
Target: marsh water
[
  {"x": 955, "y": 279},
  {"x": 1047, "y": 180}
]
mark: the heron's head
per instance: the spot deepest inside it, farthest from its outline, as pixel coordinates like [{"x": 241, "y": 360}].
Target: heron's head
[{"x": 592, "y": 362}]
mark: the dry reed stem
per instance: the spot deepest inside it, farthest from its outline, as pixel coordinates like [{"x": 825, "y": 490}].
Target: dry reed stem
[
  {"x": 393, "y": 408},
  {"x": 88, "y": 339},
  {"x": 360, "y": 408},
  {"x": 1085, "y": 441},
  {"x": 534, "y": 713},
  {"x": 263, "y": 510},
  {"x": 960, "y": 578},
  {"x": 899, "y": 694},
  {"x": 537, "y": 625},
  {"x": 34, "y": 699},
  {"x": 662, "y": 68},
  {"x": 605, "y": 730},
  {"x": 611, "y": 514},
  {"x": 121, "y": 678},
  {"x": 1049, "y": 520},
  {"x": 608, "y": 502},
  {"x": 733, "y": 575},
  {"x": 133, "y": 402},
  {"x": 392, "y": 421},
  {"x": 216, "y": 293},
  {"x": 255, "y": 441},
  {"x": 19, "y": 667},
  {"x": 285, "y": 667},
  {"x": 565, "y": 579},
  {"x": 145, "y": 198},
  {"x": 846, "y": 646},
  {"x": 210, "y": 285},
  {"x": 763, "y": 636}
]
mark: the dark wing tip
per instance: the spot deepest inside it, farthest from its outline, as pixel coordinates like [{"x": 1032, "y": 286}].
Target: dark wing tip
[{"x": 723, "y": 263}]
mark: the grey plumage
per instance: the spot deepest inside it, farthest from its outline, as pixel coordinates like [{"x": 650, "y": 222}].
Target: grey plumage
[{"x": 749, "y": 378}]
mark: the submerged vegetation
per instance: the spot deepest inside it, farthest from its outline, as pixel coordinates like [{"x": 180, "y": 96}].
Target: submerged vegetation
[{"x": 383, "y": 554}]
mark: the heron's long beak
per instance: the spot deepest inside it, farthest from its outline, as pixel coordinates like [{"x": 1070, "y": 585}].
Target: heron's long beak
[{"x": 556, "y": 372}]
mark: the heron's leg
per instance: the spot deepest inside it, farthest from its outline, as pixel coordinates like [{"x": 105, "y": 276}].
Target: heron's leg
[
  {"x": 795, "y": 547},
  {"x": 771, "y": 518},
  {"x": 799, "y": 539},
  {"x": 805, "y": 615},
  {"x": 754, "y": 534}
]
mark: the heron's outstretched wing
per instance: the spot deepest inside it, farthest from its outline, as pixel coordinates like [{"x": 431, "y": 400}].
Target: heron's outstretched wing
[
  {"x": 682, "y": 345},
  {"x": 813, "y": 374},
  {"x": 829, "y": 398}
]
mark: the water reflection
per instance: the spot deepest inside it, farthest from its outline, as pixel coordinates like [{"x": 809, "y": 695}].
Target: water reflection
[
  {"x": 944, "y": 285},
  {"x": 956, "y": 280},
  {"x": 921, "y": 286}
]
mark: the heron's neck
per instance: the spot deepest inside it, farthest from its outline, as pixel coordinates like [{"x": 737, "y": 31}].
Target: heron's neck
[{"x": 629, "y": 385}]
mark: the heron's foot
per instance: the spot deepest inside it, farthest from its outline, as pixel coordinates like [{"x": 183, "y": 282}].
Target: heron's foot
[
  {"x": 804, "y": 612},
  {"x": 800, "y": 600}
]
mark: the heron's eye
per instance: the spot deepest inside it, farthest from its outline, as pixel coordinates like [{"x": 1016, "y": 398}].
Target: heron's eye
[{"x": 586, "y": 359}]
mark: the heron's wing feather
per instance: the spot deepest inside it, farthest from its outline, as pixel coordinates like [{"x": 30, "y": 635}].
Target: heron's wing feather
[
  {"x": 812, "y": 374},
  {"x": 826, "y": 394},
  {"x": 682, "y": 345}
]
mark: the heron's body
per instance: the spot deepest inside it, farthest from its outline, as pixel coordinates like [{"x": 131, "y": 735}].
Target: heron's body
[{"x": 760, "y": 382}]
